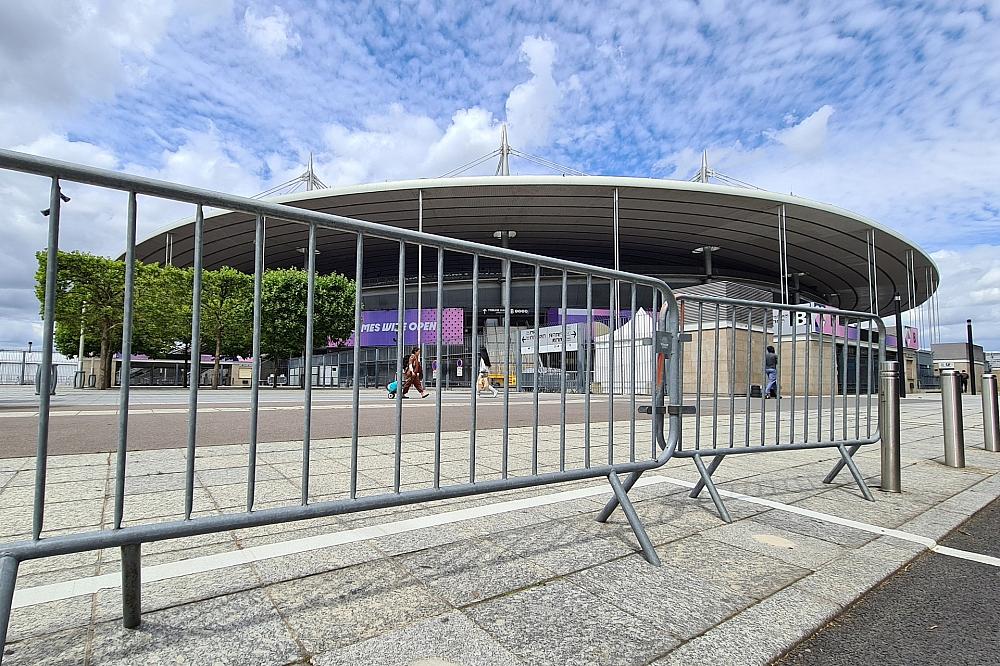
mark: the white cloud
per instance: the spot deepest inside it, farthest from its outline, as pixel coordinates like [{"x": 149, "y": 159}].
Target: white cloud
[
  {"x": 809, "y": 136},
  {"x": 532, "y": 105},
  {"x": 272, "y": 34}
]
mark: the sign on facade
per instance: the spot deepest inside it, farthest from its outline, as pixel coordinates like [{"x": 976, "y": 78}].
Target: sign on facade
[
  {"x": 379, "y": 328},
  {"x": 550, "y": 339}
]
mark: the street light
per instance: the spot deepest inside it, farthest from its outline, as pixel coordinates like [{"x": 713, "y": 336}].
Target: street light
[
  {"x": 707, "y": 250},
  {"x": 29, "y": 346}
]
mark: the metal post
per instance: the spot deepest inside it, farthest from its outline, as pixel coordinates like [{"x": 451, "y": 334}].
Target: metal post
[
  {"x": 888, "y": 419},
  {"x": 901, "y": 379},
  {"x": 970, "y": 354},
  {"x": 954, "y": 435},
  {"x": 991, "y": 416},
  {"x": 131, "y": 586}
]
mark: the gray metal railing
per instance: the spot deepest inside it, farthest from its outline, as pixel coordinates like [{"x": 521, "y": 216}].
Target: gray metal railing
[
  {"x": 626, "y": 454},
  {"x": 825, "y": 375}
]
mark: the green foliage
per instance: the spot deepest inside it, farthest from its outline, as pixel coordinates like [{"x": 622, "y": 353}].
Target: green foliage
[
  {"x": 90, "y": 292},
  {"x": 284, "y": 311}
]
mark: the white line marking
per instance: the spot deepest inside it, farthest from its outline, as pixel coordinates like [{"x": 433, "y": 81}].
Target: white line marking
[{"x": 64, "y": 590}]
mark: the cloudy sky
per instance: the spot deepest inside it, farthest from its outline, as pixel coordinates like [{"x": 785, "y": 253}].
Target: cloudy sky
[{"x": 888, "y": 110}]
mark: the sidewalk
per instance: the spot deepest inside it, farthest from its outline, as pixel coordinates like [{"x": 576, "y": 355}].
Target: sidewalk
[{"x": 525, "y": 577}]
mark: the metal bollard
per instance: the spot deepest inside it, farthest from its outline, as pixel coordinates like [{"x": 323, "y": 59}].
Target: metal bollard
[
  {"x": 954, "y": 433},
  {"x": 888, "y": 420},
  {"x": 991, "y": 416}
]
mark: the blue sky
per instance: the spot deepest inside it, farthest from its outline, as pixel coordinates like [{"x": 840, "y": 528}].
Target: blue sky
[{"x": 888, "y": 109}]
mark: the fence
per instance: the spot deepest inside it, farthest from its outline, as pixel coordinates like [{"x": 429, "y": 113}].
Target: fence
[
  {"x": 520, "y": 456},
  {"x": 19, "y": 366},
  {"x": 826, "y": 370}
]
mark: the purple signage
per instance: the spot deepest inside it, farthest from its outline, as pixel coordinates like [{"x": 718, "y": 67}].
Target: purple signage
[{"x": 379, "y": 328}]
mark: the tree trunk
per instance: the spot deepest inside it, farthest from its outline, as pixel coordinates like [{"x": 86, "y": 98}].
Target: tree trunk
[
  {"x": 103, "y": 380},
  {"x": 218, "y": 364}
]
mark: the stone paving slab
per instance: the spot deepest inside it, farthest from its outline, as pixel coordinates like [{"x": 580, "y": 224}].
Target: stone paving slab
[{"x": 540, "y": 584}]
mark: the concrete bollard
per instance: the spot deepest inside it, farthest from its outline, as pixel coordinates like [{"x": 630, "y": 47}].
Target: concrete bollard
[
  {"x": 991, "y": 416},
  {"x": 954, "y": 433},
  {"x": 888, "y": 420}
]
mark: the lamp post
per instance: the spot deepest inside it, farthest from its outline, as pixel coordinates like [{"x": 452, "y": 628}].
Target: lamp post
[
  {"x": 970, "y": 354},
  {"x": 707, "y": 250}
]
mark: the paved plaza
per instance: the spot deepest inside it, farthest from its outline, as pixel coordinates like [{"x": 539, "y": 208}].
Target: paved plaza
[{"x": 520, "y": 577}]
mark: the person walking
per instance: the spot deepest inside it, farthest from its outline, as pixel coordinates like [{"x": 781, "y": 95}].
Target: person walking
[
  {"x": 413, "y": 374},
  {"x": 484, "y": 383},
  {"x": 964, "y": 378},
  {"x": 771, "y": 373}
]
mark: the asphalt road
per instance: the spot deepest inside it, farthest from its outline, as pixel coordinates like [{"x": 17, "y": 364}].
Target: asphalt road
[
  {"x": 74, "y": 430},
  {"x": 937, "y": 610}
]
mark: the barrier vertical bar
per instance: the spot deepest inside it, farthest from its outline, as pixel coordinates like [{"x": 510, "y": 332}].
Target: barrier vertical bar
[
  {"x": 778, "y": 330},
  {"x": 45, "y": 379},
  {"x": 475, "y": 363},
  {"x": 655, "y": 371},
  {"x": 612, "y": 321},
  {"x": 843, "y": 380},
  {"x": 822, "y": 379},
  {"x": 538, "y": 363},
  {"x": 586, "y": 372},
  {"x": 258, "y": 282},
  {"x": 359, "y": 273},
  {"x": 195, "y": 380},
  {"x": 857, "y": 382},
  {"x": 506, "y": 368},
  {"x": 307, "y": 362},
  {"x": 732, "y": 376},
  {"x": 889, "y": 427},
  {"x": 697, "y": 376},
  {"x": 131, "y": 586},
  {"x": 746, "y": 406},
  {"x": 805, "y": 410},
  {"x": 793, "y": 323},
  {"x": 715, "y": 382},
  {"x": 768, "y": 312},
  {"x": 439, "y": 302},
  {"x": 833, "y": 377},
  {"x": 126, "y": 367},
  {"x": 8, "y": 580},
  {"x": 400, "y": 350},
  {"x": 635, "y": 387},
  {"x": 562, "y": 394}
]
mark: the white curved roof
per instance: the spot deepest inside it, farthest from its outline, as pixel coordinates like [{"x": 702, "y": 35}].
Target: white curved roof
[{"x": 660, "y": 223}]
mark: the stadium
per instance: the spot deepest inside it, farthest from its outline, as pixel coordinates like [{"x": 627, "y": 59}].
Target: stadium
[{"x": 723, "y": 238}]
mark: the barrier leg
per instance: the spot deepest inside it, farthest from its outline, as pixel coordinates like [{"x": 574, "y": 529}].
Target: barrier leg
[
  {"x": 131, "y": 586},
  {"x": 840, "y": 464},
  {"x": 633, "y": 519},
  {"x": 8, "y": 576},
  {"x": 701, "y": 484},
  {"x": 860, "y": 480},
  {"x": 612, "y": 504},
  {"x": 706, "y": 479}
]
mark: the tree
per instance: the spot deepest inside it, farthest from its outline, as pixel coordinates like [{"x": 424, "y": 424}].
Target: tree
[
  {"x": 283, "y": 301},
  {"x": 90, "y": 293},
  {"x": 226, "y": 314}
]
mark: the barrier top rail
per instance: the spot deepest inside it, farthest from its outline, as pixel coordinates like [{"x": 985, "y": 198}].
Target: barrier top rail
[{"x": 43, "y": 166}]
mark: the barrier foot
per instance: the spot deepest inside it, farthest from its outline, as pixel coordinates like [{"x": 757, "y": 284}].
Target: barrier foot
[
  {"x": 860, "y": 480},
  {"x": 633, "y": 519},
  {"x": 840, "y": 465},
  {"x": 701, "y": 483},
  {"x": 131, "y": 586},
  {"x": 612, "y": 504},
  {"x": 706, "y": 480},
  {"x": 8, "y": 576}
]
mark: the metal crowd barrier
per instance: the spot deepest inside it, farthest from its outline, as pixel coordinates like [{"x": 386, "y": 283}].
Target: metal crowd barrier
[
  {"x": 824, "y": 397},
  {"x": 566, "y": 463}
]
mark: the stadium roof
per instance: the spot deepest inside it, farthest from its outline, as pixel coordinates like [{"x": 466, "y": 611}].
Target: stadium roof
[{"x": 661, "y": 222}]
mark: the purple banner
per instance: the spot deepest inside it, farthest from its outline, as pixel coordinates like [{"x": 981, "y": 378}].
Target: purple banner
[{"x": 378, "y": 328}]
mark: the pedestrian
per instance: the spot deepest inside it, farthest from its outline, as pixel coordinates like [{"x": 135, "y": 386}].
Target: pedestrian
[
  {"x": 771, "y": 373},
  {"x": 413, "y": 374},
  {"x": 964, "y": 378},
  {"x": 484, "y": 383}
]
